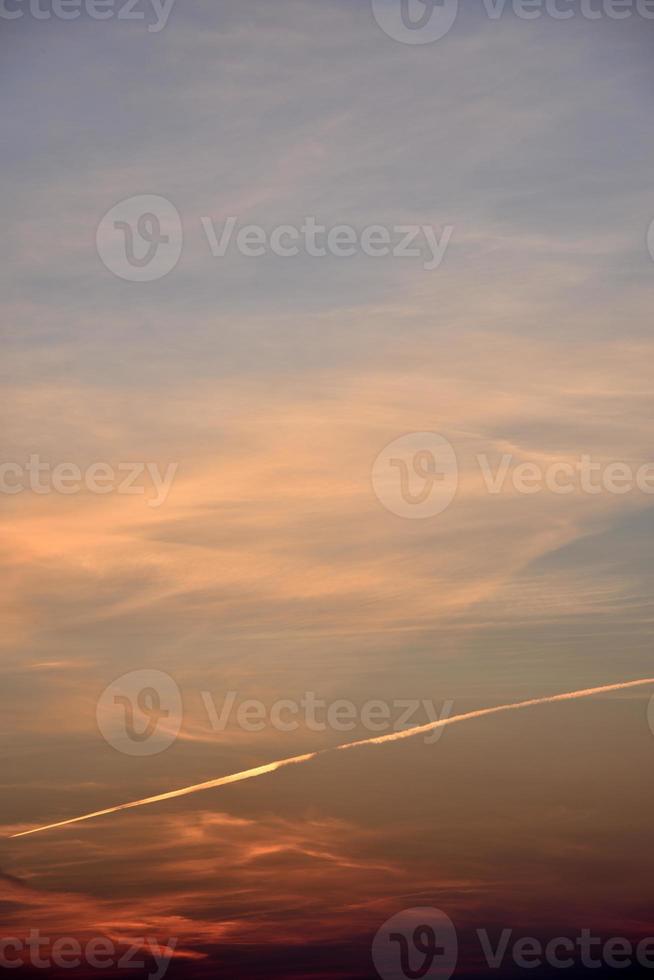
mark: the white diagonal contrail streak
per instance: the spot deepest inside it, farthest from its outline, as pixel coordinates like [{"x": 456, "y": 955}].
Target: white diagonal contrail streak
[{"x": 379, "y": 740}]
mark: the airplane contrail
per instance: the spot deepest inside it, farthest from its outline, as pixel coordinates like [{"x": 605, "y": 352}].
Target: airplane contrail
[{"x": 298, "y": 759}]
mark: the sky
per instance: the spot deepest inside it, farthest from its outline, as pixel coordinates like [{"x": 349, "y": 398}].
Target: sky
[{"x": 278, "y": 394}]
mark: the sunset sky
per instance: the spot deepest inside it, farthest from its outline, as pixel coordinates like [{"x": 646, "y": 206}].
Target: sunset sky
[{"x": 272, "y": 568}]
